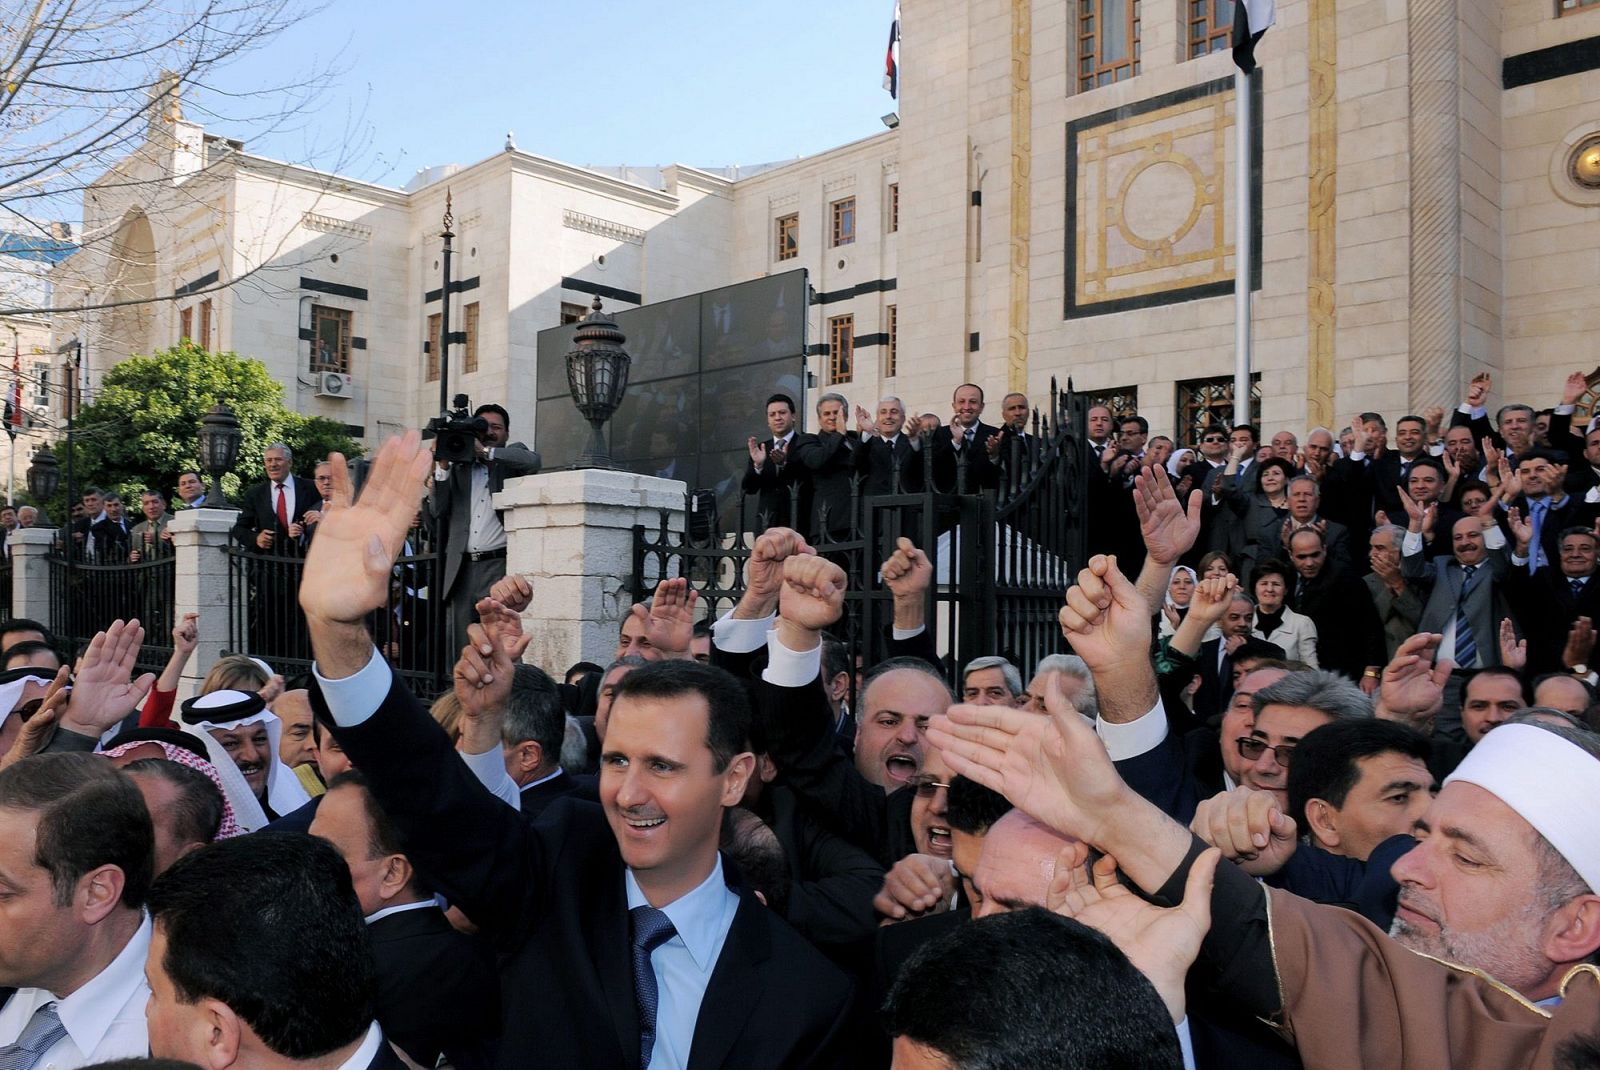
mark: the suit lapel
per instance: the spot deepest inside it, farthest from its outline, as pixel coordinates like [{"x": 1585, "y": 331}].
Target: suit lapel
[
  {"x": 610, "y": 941},
  {"x": 734, "y": 989}
]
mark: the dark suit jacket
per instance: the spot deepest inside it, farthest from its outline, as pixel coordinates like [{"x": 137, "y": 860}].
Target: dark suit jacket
[
  {"x": 830, "y": 460},
  {"x": 773, "y": 485},
  {"x": 877, "y": 463},
  {"x": 1349, "y": 633},
  {"x": 437, "y": 989},
  {"x": 111, "y": 540},
  {"x": 551, "y": 898},
  {"x": 537, "y": 797},
  {"x": 258, "y": 512},
  {"x": 1545, "y": 605},
  {"x": 510, "y": 460},
  {"x": 982, "y": 473},
  {"x": 1573, "y": 512}
]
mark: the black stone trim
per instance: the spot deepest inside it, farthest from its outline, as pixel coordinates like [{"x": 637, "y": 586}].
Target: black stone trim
[
  {"x": 860, "y": 288},
  {"x": 456, "y": 338},
  {"x": 355, "y": 430},
  {"x": 337, "y": 289},
  {"x": 864, "y": 341},
  {"x": 972, "y": 342},
  {"x": 817, "y": 349},
  {"x": 198, "y": 284},
  {"x": 1184, "y": 293},
  {"x": 977, "y": 198},
  {"x": 1545, "y": 64},
  {"x": 307, "y": 334},
  {"x": 358, "y": 343},
  {"x": 456, "y": 286},
  {"x": 601, "y": 290}
]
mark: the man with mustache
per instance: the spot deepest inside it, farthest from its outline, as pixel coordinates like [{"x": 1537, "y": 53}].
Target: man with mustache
[{"x": 237, "y": 728}]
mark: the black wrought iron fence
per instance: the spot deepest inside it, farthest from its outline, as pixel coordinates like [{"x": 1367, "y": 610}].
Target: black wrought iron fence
[
  {"x": 265, "y": 618},
  {"x": 5, "y": 589},
  {"x": 88, "y": 591}
]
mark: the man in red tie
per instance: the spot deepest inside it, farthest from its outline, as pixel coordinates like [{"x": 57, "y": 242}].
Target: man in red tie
[{"x": 272, "y": 524}]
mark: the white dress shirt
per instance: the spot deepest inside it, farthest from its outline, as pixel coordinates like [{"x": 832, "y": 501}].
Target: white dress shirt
[
  {"x": 362, "y": 1057},
  {"x": 485, "y": 532},
  {"x": 683, "y": 963},
  {"x": 104, "y": 1018}
]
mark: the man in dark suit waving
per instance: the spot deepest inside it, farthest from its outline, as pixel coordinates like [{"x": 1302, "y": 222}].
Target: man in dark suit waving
[{"x": 621, "y": 919}]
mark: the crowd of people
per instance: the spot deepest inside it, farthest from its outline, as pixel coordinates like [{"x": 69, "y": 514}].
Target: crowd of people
[{"x": 1273, "y": 801}]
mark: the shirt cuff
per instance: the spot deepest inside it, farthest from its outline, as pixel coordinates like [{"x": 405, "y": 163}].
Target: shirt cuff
[
  {"x": 1493, "y": 537},
  {"x": 439, "y": 474},
  {"x": 355, "y": 698},
  {"x": 1518, "y": 561},
  {"x": 1476, "y": 413},
  {"x": 741, "y": 636},
  {"x": 1185, "y": 1044},
  {"x": 902, "y": 634},
  {"x": 490, "y": 769},
  {"x": 1564, "y": 410},
  {"x": 791, "y": 668},
  {"x": 1358, "y": 455},
  {"x": 1135, "y": 737},
  {"x": 1411, "y": 544}
]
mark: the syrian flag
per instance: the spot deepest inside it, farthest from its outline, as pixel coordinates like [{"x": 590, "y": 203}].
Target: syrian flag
[
  {"x": 1250, "y": 20},
  {"x": 14, "y": 424},
  {"x": 891, "y": 61}
]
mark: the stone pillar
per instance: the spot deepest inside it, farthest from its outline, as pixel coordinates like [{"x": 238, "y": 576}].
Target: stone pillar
[
  {"x": 198, "y": 539},
  {"x": 30, "y": 574},
  {"x": 571, "y": 535}
]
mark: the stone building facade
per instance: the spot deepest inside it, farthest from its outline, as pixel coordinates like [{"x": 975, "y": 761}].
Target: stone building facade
[{"x": 1055, "y": 201}]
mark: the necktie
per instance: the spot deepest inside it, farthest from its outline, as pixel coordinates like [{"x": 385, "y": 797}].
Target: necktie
[
  {"x": 1577, "y": 587},
  {"x": 1538, "y": 507},
  {"x": 283, "y": 508},
  {"x": 651, "y": 929},
  {"x": 1466, "y": 645},
  {"x": 38, "y": 1037},
  {"x": 1299, "y": 590}
]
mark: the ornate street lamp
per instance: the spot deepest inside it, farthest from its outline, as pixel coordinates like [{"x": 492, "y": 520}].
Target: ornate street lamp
[
  {"x": 597, "y": 373},
  {"x": 44, "y": 475},
  {"x": 219, "y": 449}
]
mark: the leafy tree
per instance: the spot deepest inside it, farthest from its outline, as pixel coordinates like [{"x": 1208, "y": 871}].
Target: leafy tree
[{"x": 143, "y": 428}]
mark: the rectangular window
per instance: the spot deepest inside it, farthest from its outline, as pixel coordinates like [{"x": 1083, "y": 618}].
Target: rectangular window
[
  {"x": 892, "y": 318},
  {"x": 844, "y": 221},
  {"x": 1121, "y": 400},
  {"x": 330, "y": 339},
  {"x": 1569, "y": 7},
  {"x": 432, "y": 364},
  {"x": 41, "y": 386},
  {"x": 788, "y": 236},
  {"x": 469, "y": 356},
  {"x": 1204, "y": 403},
  {"x": 894, "y": 208},
  {"x": 1210, "y": 26},
  {"x": 204, "y": 334},
  {"x": 841, "y": 349},
  {"x": 1108, "y": 41},
  {"x": 186, "y": 324},
  {"x": 572, "y": 313}
]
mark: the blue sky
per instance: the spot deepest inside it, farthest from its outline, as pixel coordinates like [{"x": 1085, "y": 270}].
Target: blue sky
[{"x": 709, "y": 82}]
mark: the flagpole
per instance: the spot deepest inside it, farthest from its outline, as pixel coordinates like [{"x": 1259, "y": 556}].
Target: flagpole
[{"x": 1243, "y": 234}]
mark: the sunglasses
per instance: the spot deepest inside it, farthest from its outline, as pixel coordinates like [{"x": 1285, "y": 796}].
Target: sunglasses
[
  {"x": 926, "y": 789},
  {"x": 1251, "y": 748}
]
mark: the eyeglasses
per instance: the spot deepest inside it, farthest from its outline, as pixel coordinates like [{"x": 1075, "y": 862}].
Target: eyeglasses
[
  {"x": 926, "y": 789},
  {"x": 1251, "y": 748},
  {"x": 1215, "y": 438}
]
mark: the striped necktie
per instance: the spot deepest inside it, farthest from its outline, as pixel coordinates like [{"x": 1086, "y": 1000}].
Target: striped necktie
[{"x": 1466, "y": 645}]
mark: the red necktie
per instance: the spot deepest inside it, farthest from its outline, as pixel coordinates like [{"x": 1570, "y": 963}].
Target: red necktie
[{"x": 283, "y": 509}]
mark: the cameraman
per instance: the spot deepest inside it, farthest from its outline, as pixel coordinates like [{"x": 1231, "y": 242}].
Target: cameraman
[{"x": 476, "y": 541}]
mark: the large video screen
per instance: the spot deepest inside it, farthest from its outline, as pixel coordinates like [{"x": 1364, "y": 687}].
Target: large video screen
[{"x": 703, "y": 368}]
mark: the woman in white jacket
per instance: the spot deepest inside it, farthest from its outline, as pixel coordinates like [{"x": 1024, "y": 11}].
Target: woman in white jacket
[{"x": 1276, "y": 622}]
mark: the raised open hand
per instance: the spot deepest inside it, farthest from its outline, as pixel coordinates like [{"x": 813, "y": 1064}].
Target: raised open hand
[
  {"x": 813, "y": 592},
  {"x": 1576, "y": 385},
  {"x": 1162, "y": 943},
  {"x": 103, "y": 691},
  {"x": 1513, "y": 651},
  {"x": 758, "y": 451},
  {"x": 669, "y": 619},
  {"x": 1105, "y": 619},
  {"x": 483, "y": 674},
  {"x": 39, "y": 727},
  {"x": 1521, "y": 530},
  {"x": 347, "y": 570},
  {"x": 1169, "y": 529},
  {"x": 1580, "y": 643},
  {"x": 864, "y": 422},
  {"x": 1411, "y": 689}
]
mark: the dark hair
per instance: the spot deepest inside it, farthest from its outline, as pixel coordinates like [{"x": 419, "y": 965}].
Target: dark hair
[
  {"x": 1576, "y": 529},
  {"x": 1031, "y": 989},
  {"x": 582, "y": 667},
  {"x": 1429, "y": 462},
  {"x": 90, "y": 815},
  {"x": 534, "y": 711},
  {"x": 1410, "y": 419},
  {"x": 1495, "y": 670},
  {"x": 1133, "y": 418},
  {"x": 152, "y": 491},
  {"x": 1255, "y": 432},
  {"x": 701, "y": 628},
  {"x": 1325, "y": 759},
  {"x": 505, "y": 417},
  {"x": 758, "y": 855},
  {"x": 835, "y": 658},
  {"x": 1542, "y": 453},
  {"x": 23, "y": 624},
  {"x": 1257, "y": 648},
  {"x": 197, "y": 811},
  {"x": 1273, "y": 567},
  {"x": 727, "y": 709},
  {"x": 30, "y": 647},
  {"x": 191, "y": 472},
  {"x": 785, "y": 398},
  {"x": 269, "y": 925},
  {"x": 1281, "y": 464},
  {"x": 92, "y": 492},
  {"x": 383, "y": 836},
  {"x": 889, "y": 665},
  {"x": 973, "y": 808},
  {"x": 1375, "y": 418}
]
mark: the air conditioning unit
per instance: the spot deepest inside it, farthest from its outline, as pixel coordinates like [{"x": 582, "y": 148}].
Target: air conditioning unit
[{"x": 334, "y": 385}]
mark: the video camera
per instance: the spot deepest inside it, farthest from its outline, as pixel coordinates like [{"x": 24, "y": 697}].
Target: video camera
[{"x": 456, "y": 433}]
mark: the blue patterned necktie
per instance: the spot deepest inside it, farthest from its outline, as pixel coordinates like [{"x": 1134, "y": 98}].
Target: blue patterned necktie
[
  {"x": 1537, "y": 507},
  {"x": 1466, "y": 645},
  {"x": 1577, "y": 588},
  {"x": 38, "y": 1037},
  {"x": 651, "y": 929}
]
